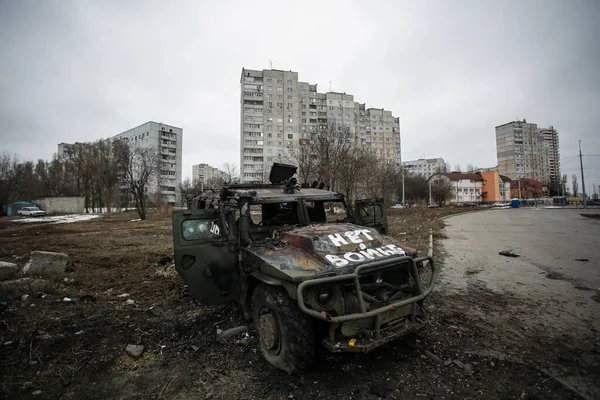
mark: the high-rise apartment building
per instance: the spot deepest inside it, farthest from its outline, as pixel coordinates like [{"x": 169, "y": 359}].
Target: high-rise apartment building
[
  {"x": 278, "y": 112},
  {"x": 424, "y": 166},
  {"x": 206, "y": 175},
  {"x": 521, "y": 151},
  {"x": 550, "y": 137},
  {"x": 167, "y": 141}
]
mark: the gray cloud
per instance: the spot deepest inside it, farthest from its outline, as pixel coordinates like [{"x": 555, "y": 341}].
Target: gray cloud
[{"x": 451, "y": 70}]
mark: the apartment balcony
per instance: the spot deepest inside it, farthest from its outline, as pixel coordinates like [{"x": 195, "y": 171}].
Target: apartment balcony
[{"x": 253, "y": 95}]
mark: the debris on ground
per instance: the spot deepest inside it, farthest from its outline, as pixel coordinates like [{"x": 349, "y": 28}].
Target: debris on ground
[
  {"x": 509, "y": 253},
  {"x": 227, "y": 333},
  {"x": 134, "y": 350},
  {"x": 163, "y": 261},
  {"x": 83, "y": 346},
  {"x": 45, "y": 263},
  {"x": 8, "y": 270}
]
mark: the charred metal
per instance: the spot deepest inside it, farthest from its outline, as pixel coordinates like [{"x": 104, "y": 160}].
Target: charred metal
[{"x": 332, "y": 258}]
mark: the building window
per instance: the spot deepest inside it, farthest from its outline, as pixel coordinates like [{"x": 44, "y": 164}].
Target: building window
[
  {"x": 279, "y": 81},
  {"x": 290, "y": 136},
  {"x": 289, "y": 89},
  {"x": 269, "y": 80}
]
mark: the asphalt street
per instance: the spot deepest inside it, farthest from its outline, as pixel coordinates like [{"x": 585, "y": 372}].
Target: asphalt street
[{"x": 550, "y": 292}]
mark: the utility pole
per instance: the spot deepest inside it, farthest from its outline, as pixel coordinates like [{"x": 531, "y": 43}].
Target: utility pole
[
  {"x": 403, "y": 200},
  {"x": 519, "y": 189},
  {"x": 582, "y": 179},
  {"x": 429, "y": 192}
]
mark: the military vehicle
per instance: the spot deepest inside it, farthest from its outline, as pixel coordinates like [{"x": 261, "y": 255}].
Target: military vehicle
[{"x": 304, "y": 265}]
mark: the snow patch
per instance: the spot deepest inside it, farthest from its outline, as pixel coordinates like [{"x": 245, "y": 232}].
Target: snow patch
[{"x": 60, "y": 219}]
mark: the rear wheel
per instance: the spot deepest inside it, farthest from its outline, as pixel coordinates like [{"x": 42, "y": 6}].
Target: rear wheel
[{"x": 286, "y": 334}]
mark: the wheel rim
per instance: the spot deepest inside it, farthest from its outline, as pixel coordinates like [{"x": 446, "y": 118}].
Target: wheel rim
[{"x": 269, "y": 332}]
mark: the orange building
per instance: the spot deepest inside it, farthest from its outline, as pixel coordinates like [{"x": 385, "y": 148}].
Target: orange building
[{"x": 494, "y": 188}]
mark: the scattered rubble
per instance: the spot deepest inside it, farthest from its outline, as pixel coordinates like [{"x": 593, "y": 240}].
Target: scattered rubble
[
  {"x": 509, "y": 253},
  {"x": 225, "y": 334},
  {"x": 8, "y": 270},
  {"x": 45, "y": 263},
  {"x": 134, "y": 350}
]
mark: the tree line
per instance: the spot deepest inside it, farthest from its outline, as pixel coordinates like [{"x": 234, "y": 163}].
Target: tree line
[
  {"x": 333, "y": 157},
  {"x": 107, "y": 174}
]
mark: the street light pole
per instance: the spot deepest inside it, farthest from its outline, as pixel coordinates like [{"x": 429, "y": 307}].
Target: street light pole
[
  {"x": 403, "y": 202},
  {"x": 582, "y": 179}
]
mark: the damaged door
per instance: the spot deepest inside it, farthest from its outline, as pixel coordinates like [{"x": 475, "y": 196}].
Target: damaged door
[
  {"x": 203, "y": 257},
  {"x": 371, "y": 213}
]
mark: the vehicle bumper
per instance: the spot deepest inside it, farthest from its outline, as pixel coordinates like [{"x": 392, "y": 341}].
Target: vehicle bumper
[{"x": 398, "y": 317}]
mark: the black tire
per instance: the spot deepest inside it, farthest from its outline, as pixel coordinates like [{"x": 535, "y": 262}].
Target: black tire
[{"x": 293, "y": 348}]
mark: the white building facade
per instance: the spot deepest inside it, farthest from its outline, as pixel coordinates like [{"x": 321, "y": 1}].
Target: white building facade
[
  {"x": 167, "y": 140},
  {"x": 466, "y": 188},
  {"x": 205, "y": 175},
  {"x": 424, "y": 167},
  {"x": 279, "y": 112}
]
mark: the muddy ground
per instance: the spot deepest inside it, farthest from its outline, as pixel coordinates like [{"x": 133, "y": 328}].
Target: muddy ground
[{"x": 54, "y": 349}]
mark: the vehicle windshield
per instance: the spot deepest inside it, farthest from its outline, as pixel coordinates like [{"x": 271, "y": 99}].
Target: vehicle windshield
[{"x": 278, "y": 214}]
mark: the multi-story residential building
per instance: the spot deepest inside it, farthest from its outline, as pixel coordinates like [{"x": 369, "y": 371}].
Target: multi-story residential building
[
  {"x": 279, "y": 112},
  {"x": 521, "y": 151},
  {"x": 550, "y": 140},
  {"x": 205, "y": 175},
  {"x": 167, "y": 141},
  {"x": 424, "y": 167}
]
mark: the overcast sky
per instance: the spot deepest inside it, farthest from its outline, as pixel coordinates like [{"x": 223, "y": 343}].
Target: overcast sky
[{"x": 451, "y": 70}]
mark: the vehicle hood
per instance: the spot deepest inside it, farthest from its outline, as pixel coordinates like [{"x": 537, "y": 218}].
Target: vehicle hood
[{"x": 304, "y": 252}]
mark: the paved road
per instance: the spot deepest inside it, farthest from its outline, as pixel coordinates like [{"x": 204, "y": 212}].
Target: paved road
[
  {"x": 544, "y": 295},
  {"x": 551, "y": 239}
]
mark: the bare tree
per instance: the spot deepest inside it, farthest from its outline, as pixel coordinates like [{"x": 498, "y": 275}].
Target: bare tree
[
  {"x": 470, "y": 168},
  {"x": 563, "y": 181},
  {"x": 354, "y": 174},
  {"x": 442, "y": 190},
  {"x": 231, "y": 172},
  {"x": 141, "y": 167},
  {"x": 301, "y": 155},
  {"x": 457, "y": 168},
  {"x": 10, "y": 176},
  {"x": 416, "y": 188},
  {"x": 575, "y": 184}
]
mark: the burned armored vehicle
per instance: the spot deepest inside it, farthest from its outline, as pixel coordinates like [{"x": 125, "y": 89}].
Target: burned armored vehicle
[{"x": 306, "y": 267}]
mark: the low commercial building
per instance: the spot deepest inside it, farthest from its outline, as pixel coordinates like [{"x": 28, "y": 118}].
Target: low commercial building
[
  {"x": 526, "y": 188},
  {"x": 495, "y": 187},
  {"x": 62, "y": 204},
  {"x": 467, "y": 188}
]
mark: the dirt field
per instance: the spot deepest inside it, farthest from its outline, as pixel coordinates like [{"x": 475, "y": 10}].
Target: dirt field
[{"x": 54, "y": 349}]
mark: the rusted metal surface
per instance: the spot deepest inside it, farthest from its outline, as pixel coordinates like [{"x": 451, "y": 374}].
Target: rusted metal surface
[
  {"x": 312, "y": 247},
  {"x": 355, "y": 277}
]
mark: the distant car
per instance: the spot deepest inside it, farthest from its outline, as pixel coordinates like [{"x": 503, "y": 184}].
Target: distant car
[
  {"x": 434, "y": 205},
  {"x": 398, "y": 206},
  {"x": 31, "y": 211}
]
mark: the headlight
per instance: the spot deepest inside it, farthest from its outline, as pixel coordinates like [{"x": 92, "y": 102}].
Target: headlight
[{"x": 325, "y": 296}]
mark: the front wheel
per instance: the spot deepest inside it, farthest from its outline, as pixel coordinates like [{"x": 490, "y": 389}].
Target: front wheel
[{"x": 286, "y": 334}]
